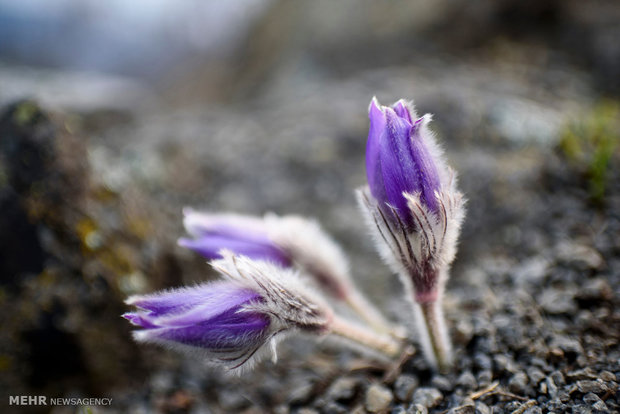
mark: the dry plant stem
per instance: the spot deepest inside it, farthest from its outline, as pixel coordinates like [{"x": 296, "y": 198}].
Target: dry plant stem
[
  {"x": 434, "y": 324},
  {"x": 369, "y": 313},
  {"x": 368, "y": 339}
]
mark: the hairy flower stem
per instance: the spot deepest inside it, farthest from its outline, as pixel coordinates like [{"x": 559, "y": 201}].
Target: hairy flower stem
[
  {"x": 371, "y": 314},
  {"x": 367, "y": 339},
  {"x": 437, "y": 346}
]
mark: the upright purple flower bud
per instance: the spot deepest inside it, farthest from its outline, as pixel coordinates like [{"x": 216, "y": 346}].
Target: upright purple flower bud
[
  {"x": 414, "y": 210},
  {"x": 399, "y": 159}
]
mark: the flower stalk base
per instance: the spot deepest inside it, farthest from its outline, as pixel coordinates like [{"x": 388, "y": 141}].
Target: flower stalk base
[
  {"x": 434, "y": 335},
  {"x": 367, "y": 339}
]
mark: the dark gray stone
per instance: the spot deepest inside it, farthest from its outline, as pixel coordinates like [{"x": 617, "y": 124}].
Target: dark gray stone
[
  {"x": 535, "y": 375},
  {"x": 415, "y": 408},
  {"x": 404, "y": 386},
  {"x": 586, "y": 386},
  {"x": 518, "y": 383},
  {"x": 399, "y": 409},
  {"x": 558, "y": 378},
  {"x": 428, "y": 397},
  {"x": 467, "y": 381},
  {"x": 482, "y": 408},
  {"x": 441, "y": 383}
]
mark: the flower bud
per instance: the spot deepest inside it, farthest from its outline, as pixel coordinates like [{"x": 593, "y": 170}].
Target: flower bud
[
  {"x": 412, "y": 204},
  {"x": 415, "y": 212},
  {"x": 400, "y": 159},
  {"x": 229, "y": 321},
  {"x": 244, "y": 235}
]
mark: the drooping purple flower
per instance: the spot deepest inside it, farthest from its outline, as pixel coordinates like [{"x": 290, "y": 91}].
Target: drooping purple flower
[
  {"x": 243, "y": 235},
  {"x": 289, "y": 241},
  {"x": 230, "y": 321},
  {"x": 215, "y": 318},
  {"x": 399, "y": 160}
]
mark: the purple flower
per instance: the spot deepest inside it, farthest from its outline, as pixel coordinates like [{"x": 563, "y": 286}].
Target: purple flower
[
  {"x": 214, "y": 317},
  {"x": 400, "y": 159},
  {"x": 415, "y": 211},
  {"x": 289, "y": 241},
  {"x": 243, "y": 235},
  {"x": 229, "y": 321}
]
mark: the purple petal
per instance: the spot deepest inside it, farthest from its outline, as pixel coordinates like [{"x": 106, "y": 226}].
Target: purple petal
[
  {"x": 234, "y": 226},
  {"x": 402, "y": 110},
  {"x": 237, "y": 331},
  {"x": 397, "y": 164},
  {"x": 138, "y": 319},
  {"x": 427, "y": 176},
  {"x": 210, "y": 247},
  {"x": 211, "y": 310},
  {"x": 180, "y": 300},
  {"x": 376, "y": 134},
  {"x": 212, "y": 316}
]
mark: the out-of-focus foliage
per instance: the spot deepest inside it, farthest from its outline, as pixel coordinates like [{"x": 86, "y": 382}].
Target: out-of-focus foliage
[{"x": 591, "y": 143}]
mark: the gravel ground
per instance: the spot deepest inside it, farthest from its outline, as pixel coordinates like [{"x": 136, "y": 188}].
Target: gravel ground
[{"x": 91, "y": 198}]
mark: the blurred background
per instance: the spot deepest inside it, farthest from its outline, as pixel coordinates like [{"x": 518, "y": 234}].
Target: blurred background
[{"x": 114, "y": 115}]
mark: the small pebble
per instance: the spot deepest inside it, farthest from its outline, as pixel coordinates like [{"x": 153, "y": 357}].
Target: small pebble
[
  {"x": 404, "y": 386},
  {"x": 556, "y": 302},
  {"x": 581, "y": 409},
  {"x": 607, "y": 376},
  {"x": 595, "y": 401},
  {"x": 564, "y": 396},
  {"x": 533, "y": 410},
  {"x": 596, "y": 387},
  {"x": 482, "y": 408},
  {"x": 512, "y": 406},
  {"x": 518, "y": 383},
  {"x": 467, "y": 381},
  {"x": 566, "y": 344},
  {"x": 332, "y": 407},
  {"x": 535, "y": 375},
  {"x": 441, "y": 383},
  {"x": 307, "y": 411},
  {"x": 558, "y": 378},
  {"x": 428, "y": 397},
  {"x": 505, "y": 364},
  {"x": 343, "y": 389},
  {"x": 591, "y": 398},
  {"x": 482, "y": 361},
  {"x": 484, "y": 378},
  {"x": 468, "y": 407},
  {"x": 399, "y": 409},
  {"x": 600, "y": 406},
  {"x": 552, "y": 388},
  {"x": 556, "y": 406},
  {"x": 378, "y": 398},
  {"x": 417, "y": 409},
  {"x": 542, "y": 388}
]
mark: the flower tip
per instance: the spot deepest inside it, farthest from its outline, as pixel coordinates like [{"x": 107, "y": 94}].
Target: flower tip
[
  {"x": 404, "y": 109},
  {"x": 137, "y": 320},
  {"x": 131, "y": 301},
  {"x": 187, "y": 211},
  {"x": 374, "y": 107}
]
